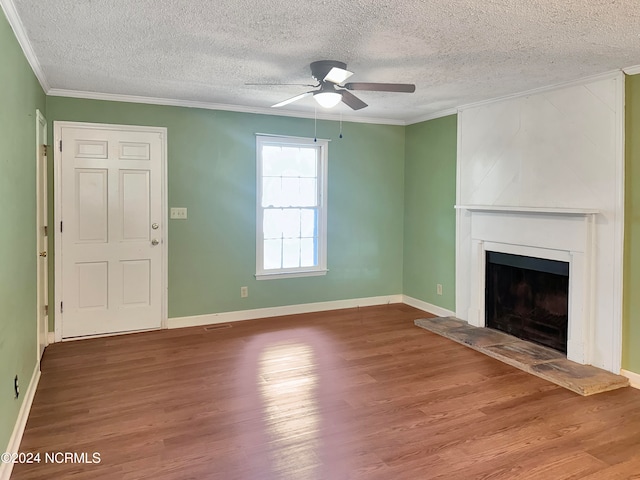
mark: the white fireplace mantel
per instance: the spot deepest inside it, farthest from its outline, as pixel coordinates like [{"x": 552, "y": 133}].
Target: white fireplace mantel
[{"x": 542, "y": 210}]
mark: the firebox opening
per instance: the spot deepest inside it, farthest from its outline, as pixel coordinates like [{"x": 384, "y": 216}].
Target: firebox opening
[{"x": 528, "y": 298}]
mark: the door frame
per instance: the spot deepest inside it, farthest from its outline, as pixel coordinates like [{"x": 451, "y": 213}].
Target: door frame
[
  {"x": 57, "y": 215},
  {"x": 41, "y": 222}
]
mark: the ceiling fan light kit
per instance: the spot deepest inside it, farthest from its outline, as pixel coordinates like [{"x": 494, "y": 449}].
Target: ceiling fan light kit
[
  {"x": 330, "y": 75},
  {"x": 327, "y": 99}
]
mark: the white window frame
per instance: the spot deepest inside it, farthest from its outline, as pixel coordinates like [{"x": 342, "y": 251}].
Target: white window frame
[{"x": 321, "y": 268}]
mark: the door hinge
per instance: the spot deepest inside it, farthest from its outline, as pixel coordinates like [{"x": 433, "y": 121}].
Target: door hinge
[
  {"x": 46, "y": 310},
  {"x": 60, "y": 226},
  {"x": 45, "y": 229},
  {"x": 61, "y": 309},
  {"x": 44, "y": 150},
  {"x": 60, "y": 145}
]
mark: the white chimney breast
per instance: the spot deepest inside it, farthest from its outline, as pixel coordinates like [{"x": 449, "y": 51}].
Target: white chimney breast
[{"x": 544, "y": 173}]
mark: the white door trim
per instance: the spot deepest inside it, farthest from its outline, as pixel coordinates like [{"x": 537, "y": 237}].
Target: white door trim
[
  {"x": 57, "y": 215},
  {"x": 41, "y": 222}
]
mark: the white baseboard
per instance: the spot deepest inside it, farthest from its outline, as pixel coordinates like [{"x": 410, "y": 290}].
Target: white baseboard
[
  {"x": 427, "y": 307},
  {"x": 51, "y": 338},
  {"x": 21, "y": 423},
  {"x": 226, "y": 317},
  {"x": 634, "y": 378}
]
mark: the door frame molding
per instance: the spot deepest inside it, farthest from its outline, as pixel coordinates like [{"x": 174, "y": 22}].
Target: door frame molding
[
  {"x": 41, "y": 220},
  {"x": 57, "y": 214}
]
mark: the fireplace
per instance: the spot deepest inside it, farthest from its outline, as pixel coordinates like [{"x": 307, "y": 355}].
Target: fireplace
[
  {"x": 528, "y": 298},
  {"x": 563, "y": 235}
]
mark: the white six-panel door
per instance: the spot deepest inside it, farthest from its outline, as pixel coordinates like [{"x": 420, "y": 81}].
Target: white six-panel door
[{"x": 111, "y": 232}]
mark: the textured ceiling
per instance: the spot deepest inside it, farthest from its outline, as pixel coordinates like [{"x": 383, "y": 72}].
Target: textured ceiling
[{"x": 455, "y": 51}]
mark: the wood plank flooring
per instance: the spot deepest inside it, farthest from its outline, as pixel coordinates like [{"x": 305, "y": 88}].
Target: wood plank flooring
[{"x": 348, "y": 394}]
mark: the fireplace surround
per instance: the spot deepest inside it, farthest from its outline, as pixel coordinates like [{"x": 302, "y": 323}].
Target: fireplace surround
[{"x": 564, "y": 235}]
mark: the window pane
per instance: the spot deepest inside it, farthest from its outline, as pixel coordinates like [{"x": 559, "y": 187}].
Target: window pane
[
  {"x": 290, "y": 192},
  {"x": 291, "y": 223},
  {"x": 308, "y": 222},
  {"x": 308, "y": 257},
  {"x": 272, "y": 223},
  {"x": 291, "y": 253},
  {"x": 271, "y": 191},
  {"x": 272, "y": 254},
  {"x": 289, "y": 161},
  {"x": 308, "y": 196},
  {"x": 307, "y": 162},
  {"x": 271, "y": 163},
  {"x": 280, "y": 161}
]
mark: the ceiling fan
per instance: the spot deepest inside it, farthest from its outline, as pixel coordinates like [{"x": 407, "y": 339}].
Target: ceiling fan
[{"x": 330, "y": 76}]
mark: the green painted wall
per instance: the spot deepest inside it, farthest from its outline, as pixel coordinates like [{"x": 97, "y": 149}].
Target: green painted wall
[
  {"x": 429, "y": 216},
  {"x": 631, "y": 302},
  {"x": 20, "y": 96},
  {"x": 212, "y": 172}
]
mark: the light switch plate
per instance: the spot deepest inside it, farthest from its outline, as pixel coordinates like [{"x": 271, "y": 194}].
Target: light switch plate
[{"x": 178, "y": 213}]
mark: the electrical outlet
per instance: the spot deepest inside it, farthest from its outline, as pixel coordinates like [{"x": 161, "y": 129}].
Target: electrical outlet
[
  {"x": 16, "y": 386},
  {"x": 178, "y": 213},
  {"x": 244, "y": 292},
  {"x": 439, "y": 289}
]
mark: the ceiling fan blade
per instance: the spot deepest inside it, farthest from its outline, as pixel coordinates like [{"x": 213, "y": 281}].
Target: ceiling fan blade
[
  {"x": 337, "y": 75},
  {"x": 351, "y": 100},
  {"x": 278, "y": 84},
  {"x": 382, "y": 87},
  {"x": 291, "y": 100}
]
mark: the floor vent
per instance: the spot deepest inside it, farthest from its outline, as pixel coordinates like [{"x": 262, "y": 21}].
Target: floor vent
[{"x": 208, "y": 328}]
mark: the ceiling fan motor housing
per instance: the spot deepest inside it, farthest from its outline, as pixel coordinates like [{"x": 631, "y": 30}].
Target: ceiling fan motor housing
[{"x": 321, "y": 68}]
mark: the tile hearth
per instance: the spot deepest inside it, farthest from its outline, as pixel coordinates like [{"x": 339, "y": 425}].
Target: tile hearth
[{"x": 534, "y": 359}]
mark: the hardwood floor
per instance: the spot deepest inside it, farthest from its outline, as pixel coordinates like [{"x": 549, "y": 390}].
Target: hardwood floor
[{"x": 349, "y": 394}]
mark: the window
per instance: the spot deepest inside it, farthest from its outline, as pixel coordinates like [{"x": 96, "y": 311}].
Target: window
[{"x": 291, "y": 234}]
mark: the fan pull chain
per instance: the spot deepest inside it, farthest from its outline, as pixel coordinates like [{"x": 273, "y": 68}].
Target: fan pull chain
[
  {"x": 340, "y": 123},
  {"x": 315, "y": 123}
]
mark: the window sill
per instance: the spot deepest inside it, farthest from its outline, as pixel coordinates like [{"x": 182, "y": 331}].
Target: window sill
[{"x": 273, "y": 276}]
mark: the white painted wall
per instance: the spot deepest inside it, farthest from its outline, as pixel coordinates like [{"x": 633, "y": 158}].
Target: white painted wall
[{"x": 560, "y": 148}]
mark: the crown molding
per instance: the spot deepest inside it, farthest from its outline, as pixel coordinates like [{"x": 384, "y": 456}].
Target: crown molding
[
  {"x": 111, "y": 97},
  {"x": 548, "y": 88},
  {"x": 21, "y": 35},
  {"x": 634, "y": 70},
  {"x": 432, "y": 116}
]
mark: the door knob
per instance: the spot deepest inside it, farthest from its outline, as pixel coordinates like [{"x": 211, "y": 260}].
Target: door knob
[
  {"x": 155, "y": 241},
  {"x": 43, "y": 254}
]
